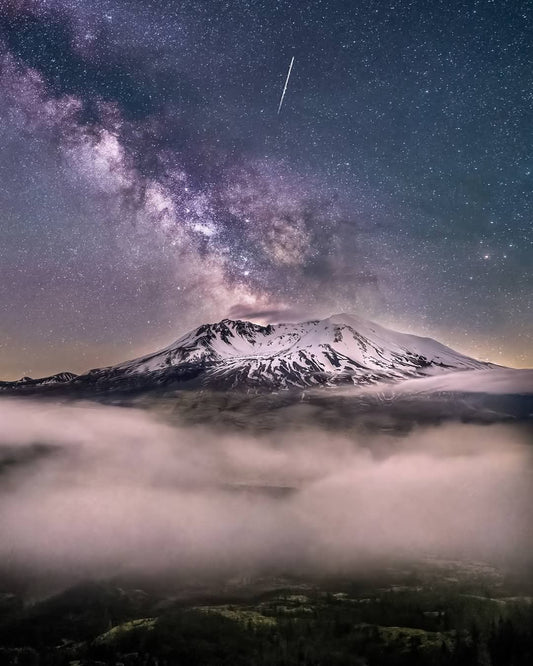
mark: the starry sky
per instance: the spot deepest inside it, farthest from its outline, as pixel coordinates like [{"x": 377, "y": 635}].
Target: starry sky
[{"x": 148, "y": 183}]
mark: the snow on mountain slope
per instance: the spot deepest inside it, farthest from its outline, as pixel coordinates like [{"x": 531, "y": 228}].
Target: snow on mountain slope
[{"x": 341, "y": 349}]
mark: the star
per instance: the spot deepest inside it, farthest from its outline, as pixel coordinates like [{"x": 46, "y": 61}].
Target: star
[{"x": 147, "y": 177}]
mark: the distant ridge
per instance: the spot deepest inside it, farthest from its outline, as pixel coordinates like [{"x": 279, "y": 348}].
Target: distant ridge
[{"x": 59, "y": 378}]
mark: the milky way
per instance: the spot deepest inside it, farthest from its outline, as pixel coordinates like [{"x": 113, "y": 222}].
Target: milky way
[{"x": 148, "y": 184}]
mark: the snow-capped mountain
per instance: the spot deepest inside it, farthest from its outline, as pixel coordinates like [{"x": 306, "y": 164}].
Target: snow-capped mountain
[{"x": 343, "y": 349}]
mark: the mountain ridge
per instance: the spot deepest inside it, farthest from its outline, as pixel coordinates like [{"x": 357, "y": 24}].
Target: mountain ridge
[{"x": 239, "y": 354}]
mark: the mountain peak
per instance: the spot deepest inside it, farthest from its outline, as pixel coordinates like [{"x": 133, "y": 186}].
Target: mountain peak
[{"x": 341, "y": 349}]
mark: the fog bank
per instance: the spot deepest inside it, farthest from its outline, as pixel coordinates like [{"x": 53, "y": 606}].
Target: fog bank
[{"x": 88, "y": 490}]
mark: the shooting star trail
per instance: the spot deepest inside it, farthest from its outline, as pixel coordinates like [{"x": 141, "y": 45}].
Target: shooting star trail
[{"x": 285, "y": 87}]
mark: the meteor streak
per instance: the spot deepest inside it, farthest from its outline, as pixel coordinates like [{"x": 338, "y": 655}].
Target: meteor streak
[{"x": 285, "y": 87}]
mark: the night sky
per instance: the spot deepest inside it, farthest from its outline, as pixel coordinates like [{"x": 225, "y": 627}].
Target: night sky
[{"x": 149, "y": 185}]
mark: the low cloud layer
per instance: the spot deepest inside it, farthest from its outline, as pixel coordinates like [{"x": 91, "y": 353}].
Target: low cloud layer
[{"x": 99, "y": 491}]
